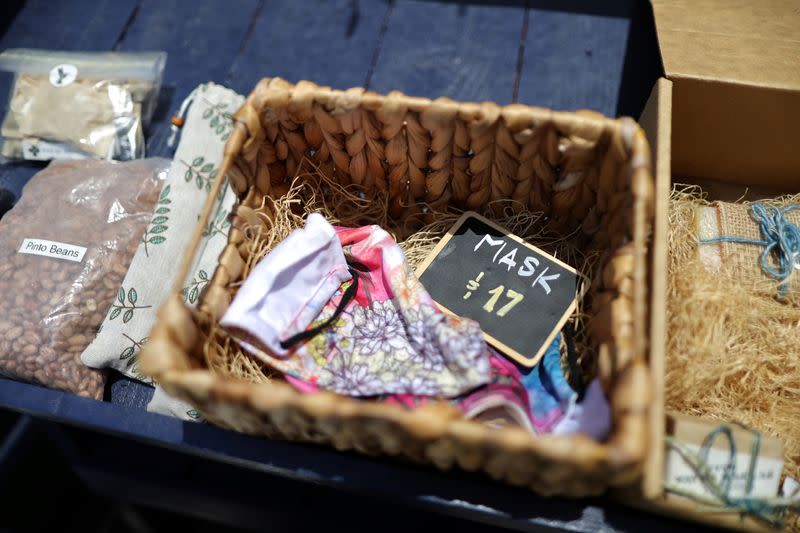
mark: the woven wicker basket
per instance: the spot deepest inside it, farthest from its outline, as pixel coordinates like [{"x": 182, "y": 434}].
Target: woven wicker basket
[{"x": 586, "y": 172}]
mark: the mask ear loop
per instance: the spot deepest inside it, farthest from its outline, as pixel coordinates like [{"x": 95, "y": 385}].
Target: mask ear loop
[{"x": 347, "y": 297}]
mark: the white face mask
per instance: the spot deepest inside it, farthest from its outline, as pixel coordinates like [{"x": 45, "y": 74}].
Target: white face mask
[{"x": 288, "y": 288}]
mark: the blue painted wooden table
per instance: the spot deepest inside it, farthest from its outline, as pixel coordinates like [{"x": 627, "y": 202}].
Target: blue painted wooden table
[{"x": 565, "y": 54}]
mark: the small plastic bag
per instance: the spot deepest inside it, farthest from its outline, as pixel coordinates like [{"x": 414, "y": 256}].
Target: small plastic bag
[
  {"x": 64, "y": 251},
  {"x": 79, "y": 105}
]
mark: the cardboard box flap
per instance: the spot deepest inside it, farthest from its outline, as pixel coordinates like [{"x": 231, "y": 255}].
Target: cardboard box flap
[
  {"x": 736, "y": 41},
  {"x": 656, "y": 121},
  {"x": 735, "y": 68}
]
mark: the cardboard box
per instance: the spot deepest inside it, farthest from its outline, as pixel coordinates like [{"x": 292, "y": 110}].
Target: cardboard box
[
  {"x": 734, "y": 68},
  {"x": 725, "y": 117},
  {"x": 691, "y": 432}
]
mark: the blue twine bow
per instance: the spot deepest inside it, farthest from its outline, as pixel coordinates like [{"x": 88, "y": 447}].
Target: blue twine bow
[
  {"x": 780, "y": 237},
  {"x": 771, "y": 510}
]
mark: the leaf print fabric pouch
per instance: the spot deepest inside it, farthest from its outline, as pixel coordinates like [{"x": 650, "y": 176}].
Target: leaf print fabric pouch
[
  {"x": 149, "y": 280},
  {"x": 381, "y": 333}
]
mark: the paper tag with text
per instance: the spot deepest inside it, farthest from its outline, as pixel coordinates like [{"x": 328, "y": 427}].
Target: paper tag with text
[
  {"x": 40, "y": 150},
  {"x": 690, "y": 431},
  {"x": 56, "y": 250}
]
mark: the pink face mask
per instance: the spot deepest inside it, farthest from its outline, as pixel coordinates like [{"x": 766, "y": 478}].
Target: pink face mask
[{"x": 341, "y": 310}]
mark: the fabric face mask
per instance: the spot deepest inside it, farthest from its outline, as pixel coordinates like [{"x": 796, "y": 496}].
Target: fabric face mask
[
  {"x": 555, "y": 406},
  {"x": 386, "y": 337},
  {"x": 501, "y": 402}
]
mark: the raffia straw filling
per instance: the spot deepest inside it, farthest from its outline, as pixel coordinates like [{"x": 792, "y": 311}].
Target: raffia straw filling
[{"x": 733, "y": 349}]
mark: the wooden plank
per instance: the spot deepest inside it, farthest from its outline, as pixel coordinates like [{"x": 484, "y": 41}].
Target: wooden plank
[
  {"x": 452, "y": 493},
  {"x": 465, "y": 52},
  {"x": 329, "y": 42},
  {"x": 129, "y": 432},
  {"x": 202, "y": 39},
  {"x": 76, "y": 25},
  {"x": 14, "y": 177},
  {"x": 122, "y": 390},
  {"x": 574, "y": 60}
]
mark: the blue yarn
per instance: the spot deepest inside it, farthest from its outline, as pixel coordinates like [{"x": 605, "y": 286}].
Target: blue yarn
[
  {"x": 746, "y": 504},
  {"x": 779, "y": 236},
  {"x": 730, "y": 468}
]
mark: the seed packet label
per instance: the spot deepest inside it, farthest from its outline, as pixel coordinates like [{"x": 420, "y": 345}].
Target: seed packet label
[
  {"x": 56, "y": 250},
  {"x": 62, "y": 75},
  {"x": 39, "y": 150}
]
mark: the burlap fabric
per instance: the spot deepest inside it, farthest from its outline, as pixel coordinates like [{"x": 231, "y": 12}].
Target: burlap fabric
[{"x": 742, "y": 260}]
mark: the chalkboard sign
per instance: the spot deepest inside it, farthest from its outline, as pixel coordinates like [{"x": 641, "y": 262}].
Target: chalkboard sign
[{"x": 520, "y": 295}]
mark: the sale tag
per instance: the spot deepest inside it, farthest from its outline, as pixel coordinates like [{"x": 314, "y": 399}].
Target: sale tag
[{"x": 520, "y": 295}]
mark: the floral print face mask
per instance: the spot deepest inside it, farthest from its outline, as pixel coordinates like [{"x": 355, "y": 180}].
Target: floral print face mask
[
  {"x": 501, "y": 402},
  {"x": 386, "y": 337}
]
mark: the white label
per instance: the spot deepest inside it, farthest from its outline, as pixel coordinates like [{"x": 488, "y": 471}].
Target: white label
[
  {"x": 57, "y": 250},
  {"x": 766, "y": 478},
  {"x": 62, "y": 75},
  {"x": 39, "y": 150},
  {"x": 791, "y": 489}
]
